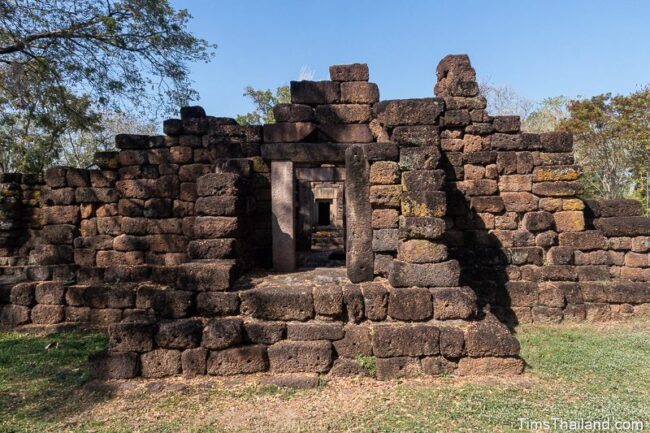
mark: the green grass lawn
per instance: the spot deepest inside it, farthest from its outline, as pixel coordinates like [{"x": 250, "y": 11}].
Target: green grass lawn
[{"x": 591, "y": 372}]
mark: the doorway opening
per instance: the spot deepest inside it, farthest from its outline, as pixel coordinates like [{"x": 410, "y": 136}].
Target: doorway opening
[{"x": 324, "y": 212}]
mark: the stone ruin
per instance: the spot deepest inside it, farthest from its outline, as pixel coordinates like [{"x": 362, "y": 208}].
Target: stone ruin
[{"x": 213, "y": 249}]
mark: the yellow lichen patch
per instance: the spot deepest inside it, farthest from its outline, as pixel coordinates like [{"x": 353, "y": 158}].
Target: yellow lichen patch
[
  {"x": 573, "y": 204},
  {"x": 569, "y": 221},
  {"x": 546, "y": 174}
]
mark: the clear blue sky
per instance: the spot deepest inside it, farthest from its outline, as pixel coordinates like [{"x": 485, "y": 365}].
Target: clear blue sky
[{"x": 540, "y": 48}]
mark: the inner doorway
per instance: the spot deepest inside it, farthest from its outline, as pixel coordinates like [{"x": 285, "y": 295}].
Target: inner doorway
[
  {"x": 324, "y": 212},
  {"x": 321, "y": 216}
]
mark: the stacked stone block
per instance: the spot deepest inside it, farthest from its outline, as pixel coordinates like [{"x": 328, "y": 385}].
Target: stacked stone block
[
  {"x": 337, "y": 111},
  {"x": 297, "y": 330},
  {"x": 19, "y": 219},
  {"x": 516, "y": 222}
]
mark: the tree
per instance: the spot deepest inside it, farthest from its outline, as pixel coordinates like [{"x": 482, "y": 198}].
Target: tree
[
  {"x": 611, "y": 142},
  {"x": 78, "y": 148},
  {"x": 264, "y": 101},
  {"x": 504, "y": 100},
  {"x": 65, "y": 62},
  {"x": 547, "y": 116}
]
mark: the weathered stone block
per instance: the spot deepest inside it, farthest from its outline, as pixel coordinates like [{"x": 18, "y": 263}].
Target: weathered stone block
[
  {"x": 264, "y": 332},
  {"x": 349, "y": 133},
  {"x": 424, "y": 111},
  {"x": 419, "y": 135},
  {"x": 410, "y": 304},
  {"x": 613, "y": 208},
  {"x": 587, "y": 240},
  {"x": 328, "y": 300},
  {"x": 375, "y": 301},
  {"x": 558, "y": 188},
  {"x": 47, "y": 314},
  {"x": 315, "y": 92},
  {"x": 421, "y": 228},
  {"x": 538, "y": 221},
  {"x": 542, "y": 314},
  {"x": 398, "y": 368},
  {"x": 384, "y": 240},
  {"x": 569, "y": 221},
  {"x": 14, "y": 315},
  {"x": 314, "y": 331},
  {"x": 193, "y": 361},
  {"x": 507, "y": 123},
  {"x": 560, "y": 255},
  {"x": 209, "y": 227},
  {"x": 160, "y": 363},
  {"x": 207, "y": 276},
  {"x": 385, "y": 218},
  {"x": 23, "y": 294},
  {"x": 421, "y": 251},
  {"x": 50, "y": 292},
  {"x": 359, "y": 92},
  {"x": 423, "y": 180},
  {"x": 278, "y": 303},
  {"x": 452, "y": 342},
  {"x": 288, "y": 132},
  {"x": 419, "y": 158},
  {"x": 385, "y": 195},
  {"x": 240, "y": 360},
  {"x": 172, "y": 304},
  {"x": 217, "y": 303},
  {"x": 384, "y": 173},
  {"x": 424, "y": 204},
  {"x": 556, "y": 173},
  {"x": 222, "y": 333},
  {"x": 444, "y": 274},
  {"x": 521, "y": 293},
  {"x": 502, "y": 141},
  {"x": 489, "y": 337},
  {"x": 556, "y": 141},
  {"x": 343, "y": 367},
  {"x": 352, "y": 72},
  {"x": 130, "y": 337},
  {"x": 60, "y": 215},
  {"x": 293, "y": 113},
  {"x": 406, "y": 340},
  {"x": 478, "y": 187},
  {"x": 624, "y": 226},
  {"x": 343, "y": 113},
  {"x": 300, "y": 357},
  {"x": 179, "y": 334},
  {"x": 212, "y": 248},
  {"x": 515, "y": 182},
  {"x": 489, "y": 204},
  {"x": 519, "y": 201},
  {"x": 453, "y": 303}
]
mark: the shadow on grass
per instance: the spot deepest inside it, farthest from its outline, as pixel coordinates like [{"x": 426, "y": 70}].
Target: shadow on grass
[{"x": 41, "y": 378}]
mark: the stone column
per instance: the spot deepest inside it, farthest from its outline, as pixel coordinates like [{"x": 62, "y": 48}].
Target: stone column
[
  {"x": 283, "y": 224},
  {"x": 359, "y": 256}
]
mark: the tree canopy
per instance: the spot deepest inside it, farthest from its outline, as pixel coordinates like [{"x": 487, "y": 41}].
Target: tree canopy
[
  {"x": 65, "y": 62},
  {"x": 611, "y": 142},
  {"x": 264, "y": 101}
]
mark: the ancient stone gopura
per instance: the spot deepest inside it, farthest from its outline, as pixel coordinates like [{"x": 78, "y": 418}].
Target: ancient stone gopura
[{"x": 205, "y": 251}]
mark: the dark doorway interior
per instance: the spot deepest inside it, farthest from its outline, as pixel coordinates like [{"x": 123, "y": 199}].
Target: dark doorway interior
[{"x": 324, "y": 212}]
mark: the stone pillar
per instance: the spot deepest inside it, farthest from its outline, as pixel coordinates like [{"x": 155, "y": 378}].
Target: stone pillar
[
  {"x": 283, "y": 224},
  {"x": 359, "y": 257}
]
